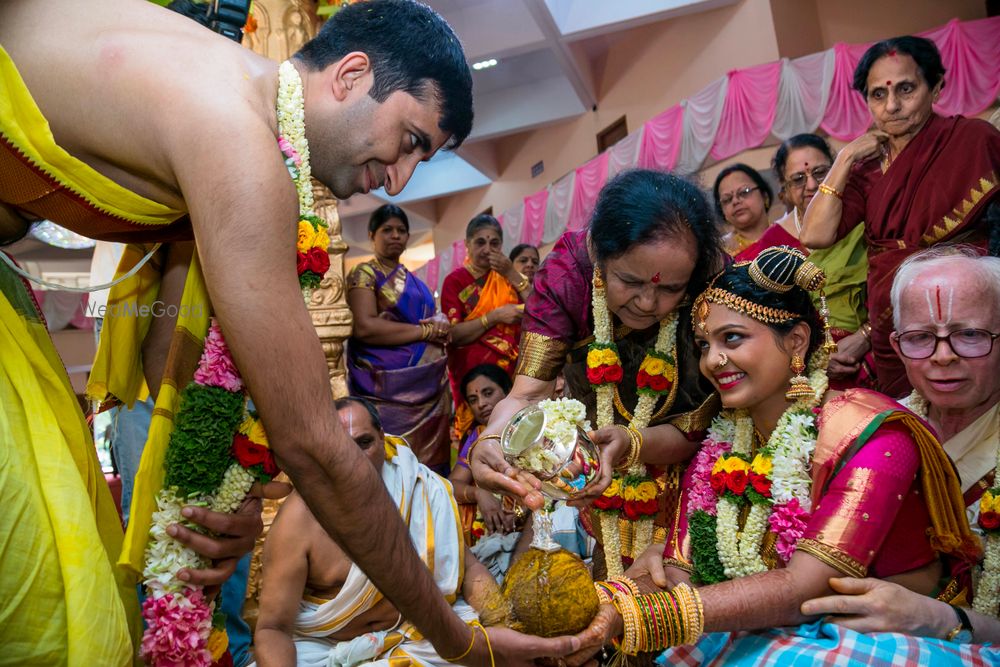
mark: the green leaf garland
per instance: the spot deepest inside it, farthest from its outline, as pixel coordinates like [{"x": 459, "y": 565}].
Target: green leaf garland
[{"x": 199, "y": 449}]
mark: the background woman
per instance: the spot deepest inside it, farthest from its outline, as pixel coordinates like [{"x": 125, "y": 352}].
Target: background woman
[
  {"x": 526, "y": 260},
  {"x": 742, "y": 199},
  {"x": 915, "y": 180},
  {"x": 482, "y": 301},
  {"x": 783, "y": 496},
  {"x": 801, "y": 163},
  {"x": 483, "y": 387},
  {"x": 651, "y": 239},
  {"x": 395, "y": 357}
]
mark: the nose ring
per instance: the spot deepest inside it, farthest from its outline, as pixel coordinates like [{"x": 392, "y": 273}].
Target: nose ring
[{"x": 723, "y": 360}]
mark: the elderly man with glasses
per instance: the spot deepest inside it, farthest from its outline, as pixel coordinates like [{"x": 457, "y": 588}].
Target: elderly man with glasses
[{"x": 946, "y": 304}]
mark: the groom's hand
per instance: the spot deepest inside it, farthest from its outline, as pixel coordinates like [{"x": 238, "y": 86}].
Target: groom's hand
[{"x": 230, "y": 536}]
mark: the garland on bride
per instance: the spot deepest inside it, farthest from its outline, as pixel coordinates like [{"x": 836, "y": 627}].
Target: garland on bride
[
  {"x": 631, "y": 494},
  {"x": 987, "y": 598},
  {"x": 770, "y": 486},
  {"x": 218, "y": 448}
]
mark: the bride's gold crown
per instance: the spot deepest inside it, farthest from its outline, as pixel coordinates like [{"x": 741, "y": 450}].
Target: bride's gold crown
[{"x": 776, "y": 269}]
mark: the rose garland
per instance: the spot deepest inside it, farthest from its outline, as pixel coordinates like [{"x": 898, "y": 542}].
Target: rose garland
[
  {"x": 218, "y": 448},
  {"x": 775, "y": 483},
  {"x": 634, "y": 493},
  {"x": 987, "y": 598}
]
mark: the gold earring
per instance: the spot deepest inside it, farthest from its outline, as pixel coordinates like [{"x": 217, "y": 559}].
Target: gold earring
[{"x": 800, "y": 387}]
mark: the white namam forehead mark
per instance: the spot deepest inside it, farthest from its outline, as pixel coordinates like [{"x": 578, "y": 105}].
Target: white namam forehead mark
[
  {"x": 939, "y": 303},
  {"x": 347, "y": 419}
]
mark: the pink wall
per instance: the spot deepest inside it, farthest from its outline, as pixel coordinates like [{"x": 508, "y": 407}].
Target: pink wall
[{"x": 650, "y": 68}]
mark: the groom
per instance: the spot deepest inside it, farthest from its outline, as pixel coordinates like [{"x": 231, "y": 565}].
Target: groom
[{"x": 149, "y": 127}]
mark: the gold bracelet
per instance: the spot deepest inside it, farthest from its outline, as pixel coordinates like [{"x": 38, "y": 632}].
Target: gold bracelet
[
  {"x": 628, "y": 583},
  {"x": 829, "y": 190},
  {"x": 472, "y": 447},
  {"x": 603, "y": 596},
  {"x": 629, "y": 611},
  {"x": 635, "y": 442},
  {"x": 485, "y": 322},
  {"x": 631, "y": 441},
  {"x": 468, "y": 650},
  {"x": 522, "y": 285},
  {"x": 638, "y": 446},
  {"x": 866, "y": 330}
]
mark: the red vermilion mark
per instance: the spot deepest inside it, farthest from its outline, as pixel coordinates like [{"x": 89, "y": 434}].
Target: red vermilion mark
[
  {"x": 937, "y": 294},
  {"x": 892, "y": 52},
  {"x": 656, "y": 279},
  {"x": 888, "y": 83}
]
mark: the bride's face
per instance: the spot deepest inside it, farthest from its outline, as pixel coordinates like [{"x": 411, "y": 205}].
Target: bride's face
[
  {"x": 757, "y": 358},
  {"x": 649, "y": 281}
]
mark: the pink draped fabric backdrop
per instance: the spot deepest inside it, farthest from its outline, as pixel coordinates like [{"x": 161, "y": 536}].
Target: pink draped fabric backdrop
[{"x": 775, "y": 99}]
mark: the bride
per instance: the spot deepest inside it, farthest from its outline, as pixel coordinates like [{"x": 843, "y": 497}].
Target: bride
[{"x": 793, "y": 485}]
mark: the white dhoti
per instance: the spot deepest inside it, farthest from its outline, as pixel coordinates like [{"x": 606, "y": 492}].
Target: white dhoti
[{"x": 428, "y": 508}]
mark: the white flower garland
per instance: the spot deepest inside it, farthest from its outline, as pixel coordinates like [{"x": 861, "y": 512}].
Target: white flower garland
[
  {"x": 165, "y": 556},
  {"x": 791, "y": 447},
  {"x": 987, "y": 598},
  {"x": 666, "y": 343},
  {"x": 292, "y": 126},
  {"x": 234, "y": 489}
]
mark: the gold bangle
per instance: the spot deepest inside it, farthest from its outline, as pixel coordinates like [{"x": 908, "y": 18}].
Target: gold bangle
[
  {"x": 522, "y": 284},
  {"x": 635, "y": 447},
  {"x": 628, "y": 583},
  {"x": 485, "y": 322},
  {"x": 603, "y": 596},
  {"x": 472, "y": 447},
  {"x": 866, "y": 330},
  {"x": 468, "y": 650},
  {"x": 829, "y": 190},
  {"x": 639, "y": 441}
]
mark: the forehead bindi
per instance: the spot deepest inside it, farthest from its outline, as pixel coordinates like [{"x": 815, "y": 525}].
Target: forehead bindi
[{"x": 888, "y": 71}]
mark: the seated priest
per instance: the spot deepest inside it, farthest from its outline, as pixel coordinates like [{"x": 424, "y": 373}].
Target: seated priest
[{"x": 318, "y": 608}]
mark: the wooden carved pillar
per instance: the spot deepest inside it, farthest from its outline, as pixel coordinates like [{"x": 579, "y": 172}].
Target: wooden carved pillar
[{"x": 328, "y": 305}]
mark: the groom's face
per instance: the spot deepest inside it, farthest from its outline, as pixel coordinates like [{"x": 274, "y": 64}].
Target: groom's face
[{"x": 358, "y": 424}]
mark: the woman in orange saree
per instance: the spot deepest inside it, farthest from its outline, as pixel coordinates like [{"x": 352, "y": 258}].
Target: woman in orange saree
[{"x": 483, "y": 301}]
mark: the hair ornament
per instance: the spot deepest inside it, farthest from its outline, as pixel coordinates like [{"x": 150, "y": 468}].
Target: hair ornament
[{"x": 780, "y": 268}]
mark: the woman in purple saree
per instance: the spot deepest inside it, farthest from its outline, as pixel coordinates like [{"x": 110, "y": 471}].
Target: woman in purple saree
[{"x": 395, "y": 357}]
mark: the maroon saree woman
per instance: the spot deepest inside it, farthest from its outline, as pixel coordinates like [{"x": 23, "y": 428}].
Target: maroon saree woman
[{"x": 936, "y": 190}]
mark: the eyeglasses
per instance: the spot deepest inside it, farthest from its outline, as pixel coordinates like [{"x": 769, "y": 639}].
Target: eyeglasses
[
  {"x": 799, "y": 178},
  {"x": 739, "y": 195},
  {"x": 966, "y": 343}
]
